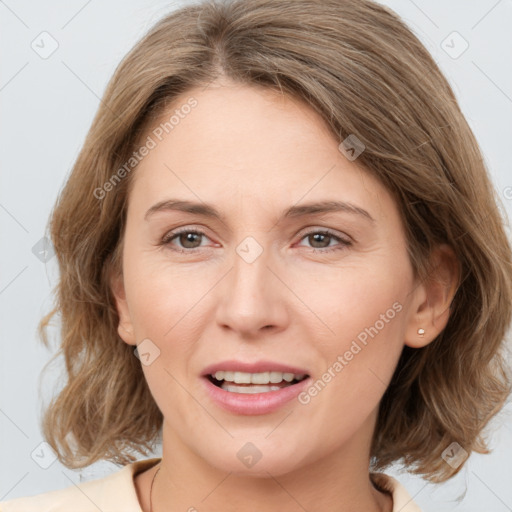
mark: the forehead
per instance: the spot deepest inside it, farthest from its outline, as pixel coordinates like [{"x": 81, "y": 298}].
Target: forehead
[{"x": 248, "y": 147}]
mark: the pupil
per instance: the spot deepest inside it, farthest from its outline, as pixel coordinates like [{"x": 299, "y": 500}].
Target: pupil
[
  {"x": 320, "y": 235},
  {"x": 189, "y": 238}
]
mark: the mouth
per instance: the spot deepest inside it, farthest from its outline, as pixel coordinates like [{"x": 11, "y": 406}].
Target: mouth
[
  {"x": 253, "y": 388},
  {"x": 253, "y": 383}
]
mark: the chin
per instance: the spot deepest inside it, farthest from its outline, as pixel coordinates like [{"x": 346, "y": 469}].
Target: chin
[{"x": 258, "y": 458}]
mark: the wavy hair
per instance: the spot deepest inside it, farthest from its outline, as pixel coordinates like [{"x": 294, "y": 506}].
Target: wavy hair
[{"x": 365, "y": 73}]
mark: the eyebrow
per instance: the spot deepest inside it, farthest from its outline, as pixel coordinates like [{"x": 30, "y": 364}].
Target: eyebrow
[{"x": 208, "y": 210}]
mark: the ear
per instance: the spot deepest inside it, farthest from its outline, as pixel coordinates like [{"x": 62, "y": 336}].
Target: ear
[
  {"x": 432, "y": 298},
  {"x": 125, "y": 327}
]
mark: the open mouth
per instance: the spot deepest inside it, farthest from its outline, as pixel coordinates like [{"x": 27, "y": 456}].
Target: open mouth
[{"x": 250, "y": 383}]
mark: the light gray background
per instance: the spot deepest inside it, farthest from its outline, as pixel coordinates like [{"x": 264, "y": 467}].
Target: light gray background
[{"x": 47, "y": 106}]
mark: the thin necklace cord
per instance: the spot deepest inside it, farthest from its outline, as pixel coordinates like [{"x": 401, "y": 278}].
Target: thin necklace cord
[{"x": 151, "y": 490}]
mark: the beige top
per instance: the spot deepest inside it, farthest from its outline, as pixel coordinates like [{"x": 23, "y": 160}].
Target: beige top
[{"x": 116, "y": 493}]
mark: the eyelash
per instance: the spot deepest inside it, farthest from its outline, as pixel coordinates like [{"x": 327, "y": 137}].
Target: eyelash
[{"x": 169, "y": 237}]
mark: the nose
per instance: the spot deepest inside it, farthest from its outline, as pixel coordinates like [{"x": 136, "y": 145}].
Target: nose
[{"x": 253, "y": 297}]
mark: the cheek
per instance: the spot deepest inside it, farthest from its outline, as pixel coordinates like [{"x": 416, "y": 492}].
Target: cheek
[
  {"x": 363, "y": 307},
  {"x": 168, "y": 305},
  {"x": 161, "y": 294},
  {"x": 165, "y": 306},
  {"x": 353, "y": 297}
]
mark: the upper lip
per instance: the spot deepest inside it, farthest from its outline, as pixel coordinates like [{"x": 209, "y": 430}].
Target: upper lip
[{"x": 256, "y": 367}]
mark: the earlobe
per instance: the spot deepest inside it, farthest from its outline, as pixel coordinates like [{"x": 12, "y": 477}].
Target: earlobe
[
  {"x": 124, "y": 327},
  {"x": 433, "y": 298}
]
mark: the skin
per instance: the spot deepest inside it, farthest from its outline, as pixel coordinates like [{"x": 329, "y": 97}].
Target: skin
[{"x": 252, "y": 154}]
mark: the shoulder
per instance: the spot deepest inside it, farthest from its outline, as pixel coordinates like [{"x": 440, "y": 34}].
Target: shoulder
[
  {"x": 402, "y": 501},
  {"x": 113, "y": 493}
]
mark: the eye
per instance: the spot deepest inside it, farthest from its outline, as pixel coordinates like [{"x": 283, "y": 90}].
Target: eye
[
  {"x": 188, "y": 238},
  {"x": 324, "y": 238}
]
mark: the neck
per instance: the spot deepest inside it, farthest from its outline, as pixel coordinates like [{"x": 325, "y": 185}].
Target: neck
[{"x": 338, "y": 482}]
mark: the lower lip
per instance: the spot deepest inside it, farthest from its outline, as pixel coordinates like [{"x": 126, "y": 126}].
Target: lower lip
[{"x": 254, "y": 403}]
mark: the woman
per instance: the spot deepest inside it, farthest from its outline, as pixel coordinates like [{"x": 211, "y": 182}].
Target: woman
[{"x": 279, "y": 249}]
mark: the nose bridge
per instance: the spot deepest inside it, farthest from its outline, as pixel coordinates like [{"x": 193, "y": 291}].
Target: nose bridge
[
  {"x": 250, "y": 296},
  {"x": 250, "y": 264},
  {"x": 250, "y": 278}
]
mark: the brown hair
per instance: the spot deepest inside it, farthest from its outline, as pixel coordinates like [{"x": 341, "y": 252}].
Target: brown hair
[{"x": 359, "y": 66}]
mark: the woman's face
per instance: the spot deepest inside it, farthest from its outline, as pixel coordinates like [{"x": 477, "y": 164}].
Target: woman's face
[{"x": 260, "y": 284}]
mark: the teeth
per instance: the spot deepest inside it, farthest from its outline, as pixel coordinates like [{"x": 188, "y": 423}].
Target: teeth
[
  {"x": 249, "y": 389},
  {"x": 275, "y": 377},
  {"x": 240, "y": 378},
  {"x": 257, "y": 378}
]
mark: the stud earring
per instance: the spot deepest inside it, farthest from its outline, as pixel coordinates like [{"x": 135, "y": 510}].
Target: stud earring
[{"x": 421, "y": 332}]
